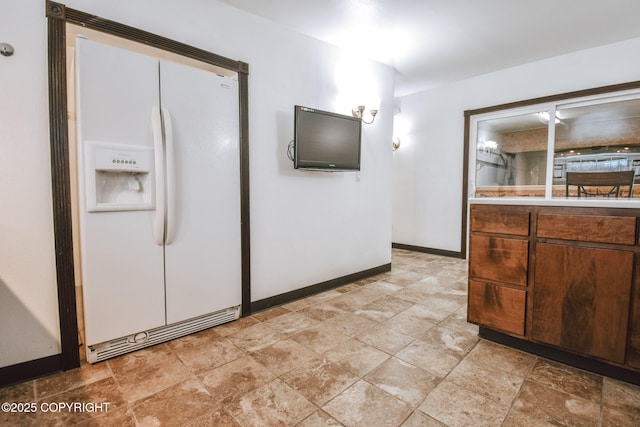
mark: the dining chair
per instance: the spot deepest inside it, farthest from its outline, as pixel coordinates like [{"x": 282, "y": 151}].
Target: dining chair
[{"x": 599, "y": 184}]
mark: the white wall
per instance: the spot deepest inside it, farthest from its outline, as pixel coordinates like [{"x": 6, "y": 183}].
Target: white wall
[
  {"x": 427, "y": 183},
  {"x": 28, "y": 296},
  {"x": 305, "y": 227}
]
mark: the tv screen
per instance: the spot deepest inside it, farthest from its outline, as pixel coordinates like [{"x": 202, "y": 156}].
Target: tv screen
[{"x": 326, "y": 141}]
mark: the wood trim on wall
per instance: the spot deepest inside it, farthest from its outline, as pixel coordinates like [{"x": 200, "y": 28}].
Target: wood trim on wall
[
  {"x": 29, "y": 370},
  {"x": 432, "y": 251},
  {"x": 139, "y": 36},
  {"x": 306, "y": 291},
  {"x": 465, "y": 187},
  {"x": 245, "y": 234},
  {"x": 57, "y": 17},
  {"x": 558, "y": 97},
  {"x": 61, "y": 186},
  {"x": 510, "y": 105}
]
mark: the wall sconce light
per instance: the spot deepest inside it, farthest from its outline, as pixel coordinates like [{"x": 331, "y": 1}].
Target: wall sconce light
[
  {"x": 396, "y": 143},
  {"x": 359, "y": 111}
]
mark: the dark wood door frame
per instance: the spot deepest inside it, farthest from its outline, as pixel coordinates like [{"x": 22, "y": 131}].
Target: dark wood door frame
[{"x": 57, "y": 17}]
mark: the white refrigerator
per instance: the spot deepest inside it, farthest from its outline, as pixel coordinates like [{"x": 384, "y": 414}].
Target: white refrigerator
[{"x": 159, "y": 198}]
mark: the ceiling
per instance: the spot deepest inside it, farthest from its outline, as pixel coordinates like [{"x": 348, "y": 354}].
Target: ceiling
[{"x": 432, "y": 42}]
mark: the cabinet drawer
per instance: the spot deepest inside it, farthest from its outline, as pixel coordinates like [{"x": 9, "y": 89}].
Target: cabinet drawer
[
  {"x": 588, "y": 228},
  {"x": 499, "y": 259},
  {"x": 499, "y": 220},
  {"x": 497, "y": 307}
]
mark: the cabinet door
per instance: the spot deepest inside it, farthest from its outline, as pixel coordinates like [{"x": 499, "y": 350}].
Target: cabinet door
[
  {"x": 497, "y": 307},
  {"x": 581, "y": 299},
  {"x": 634, "y": 337}
]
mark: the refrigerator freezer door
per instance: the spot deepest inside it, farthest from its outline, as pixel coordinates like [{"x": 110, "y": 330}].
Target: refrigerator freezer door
[
  {"x": 122, "y": 267},
  {"x": 202, "y": 263}
]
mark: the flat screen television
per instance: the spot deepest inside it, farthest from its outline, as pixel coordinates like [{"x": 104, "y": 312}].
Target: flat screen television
[{"x": 326, "y": 141}]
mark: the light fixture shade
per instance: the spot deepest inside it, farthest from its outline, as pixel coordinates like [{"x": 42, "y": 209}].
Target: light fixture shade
[{"x": 359, "y": 113}]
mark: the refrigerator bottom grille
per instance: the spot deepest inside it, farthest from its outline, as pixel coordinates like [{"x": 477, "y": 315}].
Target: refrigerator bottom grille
[{"x": 119, "y": 346}]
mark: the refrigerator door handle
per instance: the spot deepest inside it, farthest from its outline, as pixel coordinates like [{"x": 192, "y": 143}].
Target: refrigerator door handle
[
  {"x": 170, "y": 177},
  {"x": 158, "y": 149}
]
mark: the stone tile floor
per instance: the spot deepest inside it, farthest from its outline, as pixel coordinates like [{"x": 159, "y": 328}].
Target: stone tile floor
[{"x": 392, "y": 350}]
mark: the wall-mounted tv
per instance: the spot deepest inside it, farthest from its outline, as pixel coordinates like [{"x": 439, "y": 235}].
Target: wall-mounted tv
[{"x": 326, "y": 141}]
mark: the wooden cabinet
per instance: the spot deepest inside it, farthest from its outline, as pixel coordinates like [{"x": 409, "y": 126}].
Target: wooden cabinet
[
  {"x": 499, "y": 259},
  {"x": 500, "y": 220},
  {"x": 587, "y": 228},
  {"x": 581, "y": 299},
  {"x": 498, "y": 268},
  {"x": 634, "y": 324},
  {"x": 497, "y": 307},
  {"x": 564, "y": 277}
]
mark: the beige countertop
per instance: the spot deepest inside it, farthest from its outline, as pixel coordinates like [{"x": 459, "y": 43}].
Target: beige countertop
[{"x": 559, "y": 201}]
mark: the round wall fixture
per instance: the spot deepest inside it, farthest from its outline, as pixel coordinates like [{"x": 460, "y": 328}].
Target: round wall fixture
[{"x": 6, "y": 49}]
